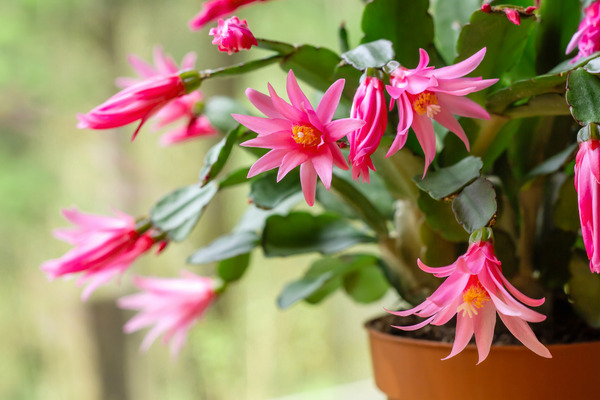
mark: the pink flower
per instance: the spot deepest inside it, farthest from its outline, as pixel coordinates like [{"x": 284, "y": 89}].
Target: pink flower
[
  {"x": 587, "y": 184},
  {"x": 182, "y": 108},
  {"x": 426, "y": 93},
  {"x": 171, "y": 305},
  {"x": 213, "y": 9},
  {"x": 104, "y": 248},
  {"x": 513, "y": 15},
  {"x": 198, "y": 127},
  {"x": 368, "y": 105},
  {"x": 232, "y": 35},
  {"x": 475, "y": 291},
  {"x": 587, "y": 37},
  {"x": 139, "y": 101},
  {"x": 298, "y": 134}
]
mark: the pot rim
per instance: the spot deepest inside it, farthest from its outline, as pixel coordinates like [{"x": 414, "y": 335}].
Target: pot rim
[{"x": 388, "y": 337}]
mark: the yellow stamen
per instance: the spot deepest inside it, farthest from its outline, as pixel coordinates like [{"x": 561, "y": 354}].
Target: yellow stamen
[
  {"x": 473, "y": 298},
  {"x": 305, "y": 135},
  {"x": 426, "y": 103}
]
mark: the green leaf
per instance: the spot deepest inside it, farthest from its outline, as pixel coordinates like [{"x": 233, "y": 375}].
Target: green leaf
[
  {"x": 242, "y": 68},
  {"x": 254, "y": 219},
  {"x": 406, "y": 23},
  {"x": 217, "y": 156},
  {"x": 566, "y": 211},
  {"x": 313, "y": 65},
  {"x": 359, "y": 273},
  {"x": 237, "y": 177},
  {"x": 499, "y": 101},
  {"x": 352, "y": 77},
  {"x": 218, "y": 110},
  {"x": 371, "y": 205},
  {"x": 302, "y": 232},
  {"x": 227, "y": 246},
  {"x": 178, "y": 212},
  {"x": 449, "y": 17},
  {"x": 273, "y": 45},
  {"x": 504, "y": 42},
  {"x": 476, "y": 205},
  {"x": 557, "y": 24},
  {"x": 366, "y": 284},
  {"x": 583, "y": 96},
  {"x": 267, "y": 193},
  {"x": 584, "y": 290},
  {"x": 554, "y": 163},
  {"x": 299, "y": 290},
  {"x": 441, "y": 219},
  {"x": 370, "y": 55},
  {"x": 446, "y": 181},
  {"x": 233, "y": 268}
]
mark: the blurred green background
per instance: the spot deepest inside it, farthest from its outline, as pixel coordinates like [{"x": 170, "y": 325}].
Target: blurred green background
[{"x": 60, "y": 57}]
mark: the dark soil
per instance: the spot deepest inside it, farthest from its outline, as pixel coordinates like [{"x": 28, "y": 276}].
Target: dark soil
[{"x": 561, "y": 326}]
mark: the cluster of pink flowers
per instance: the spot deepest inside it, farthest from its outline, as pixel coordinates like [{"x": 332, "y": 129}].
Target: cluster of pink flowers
[
  {"x": 300, "y": 135},
  {"x": 105, "y": 247},
  {"x": 475, "y": 291},
  {"x": 587, "y": 37}
]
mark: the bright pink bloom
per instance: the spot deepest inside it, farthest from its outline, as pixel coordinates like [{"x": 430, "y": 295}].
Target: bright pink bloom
[
  {"x": 198, "y": 127},
  {"x": 232, "y": 35},
  {"x": 513, "y": 15},
  {"x": 181, "y": 108},
  {"x": 426, "y": 93},
  {"x": 171, "y": 305},
  {"x": 104, "y": 248},
  {"x": 368, "y": 105},
  {"x": 587, "y": 184},
  {"x": 587, "y": 37},
  {"x": 475, "y": 291},
  {"x": 298, "y": 134},
  {"x": 213, "y": 9},
  {"x": 137, "y": 102}
]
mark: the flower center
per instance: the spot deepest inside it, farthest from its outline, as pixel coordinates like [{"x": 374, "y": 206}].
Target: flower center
[
  {"x": 473, "y": 299},
  {"x": 426, "y": 103},
  {"x": 306, "y": 136}
]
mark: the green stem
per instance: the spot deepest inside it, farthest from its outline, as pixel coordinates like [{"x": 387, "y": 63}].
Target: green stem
[
  {"x": 543, "y": 105},
  {"x": 362, "y": 205},
  {"x": 274, "y": 45},
  {"x": 241, "y": 68}
]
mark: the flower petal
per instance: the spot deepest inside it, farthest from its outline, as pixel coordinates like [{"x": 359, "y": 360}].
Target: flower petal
[{"x": 330, "y": 100}]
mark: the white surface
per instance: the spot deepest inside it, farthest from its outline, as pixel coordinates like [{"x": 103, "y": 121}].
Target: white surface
[{"x": 362, "y": 390}]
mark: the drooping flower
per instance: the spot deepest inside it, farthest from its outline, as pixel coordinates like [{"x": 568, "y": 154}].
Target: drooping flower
[
  {"x": 426, "y": 93},
  {"x": 164, "y": 89},
  {"x": 298, "y": 135},
  {"x": 171, "y": 305},
  {"x": 213, "y": 9},
  {"x": 587, "y": 184},
  {"x": 104, "y": 248},
  {"x": 368, "y": 105},
  {"x": 587, "y": 37},
  {"x": 232, "y": 35},
  {"x": 475, "y": 290}
]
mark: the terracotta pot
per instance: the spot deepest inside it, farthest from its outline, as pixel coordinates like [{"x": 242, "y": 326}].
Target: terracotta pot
[{"x": 411, "y": 369}]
